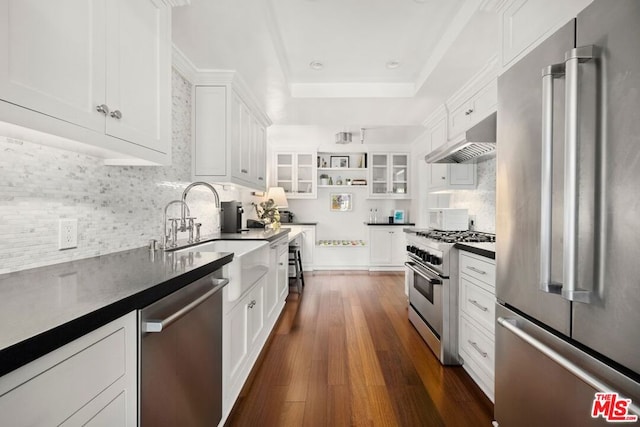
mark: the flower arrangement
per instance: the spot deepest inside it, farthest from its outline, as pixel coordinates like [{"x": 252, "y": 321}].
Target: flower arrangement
[{"x": 268, "y": 212}]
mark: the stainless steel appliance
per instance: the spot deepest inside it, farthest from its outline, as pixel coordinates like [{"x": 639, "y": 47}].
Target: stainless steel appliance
[
  {"x": 568, "y": 231},
  {"x": 477, "y": 142},
  {"x": 448, "y": 219},
  {"x": 286, "y": 216},
  {"x": 180, "y": 356},
  {"x": 231, "y": 216},
  {"x": 431, "y": 276}
]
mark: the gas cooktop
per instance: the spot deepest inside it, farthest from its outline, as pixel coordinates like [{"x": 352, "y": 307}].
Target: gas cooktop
[{"x": 457, "y": 236}]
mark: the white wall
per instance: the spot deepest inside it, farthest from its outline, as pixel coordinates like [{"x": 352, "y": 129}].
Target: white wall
[
  {"x": 117, "y": 208},
  {"x": 342, "y": 225}
]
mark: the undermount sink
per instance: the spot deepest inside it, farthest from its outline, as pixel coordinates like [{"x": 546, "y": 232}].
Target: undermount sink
[{"x": 250, "y": 262}]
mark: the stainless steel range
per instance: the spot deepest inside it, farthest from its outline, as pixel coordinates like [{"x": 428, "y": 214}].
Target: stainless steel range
[{"x": 432, "y": 280}]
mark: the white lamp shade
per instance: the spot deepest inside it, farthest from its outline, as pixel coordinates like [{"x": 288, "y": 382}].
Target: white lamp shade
[{"x": 278, "y": 196}]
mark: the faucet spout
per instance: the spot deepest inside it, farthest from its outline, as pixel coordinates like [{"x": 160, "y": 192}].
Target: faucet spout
[
  {"x": 204, "y": 184},
  {"x": 196, "y": 184}
]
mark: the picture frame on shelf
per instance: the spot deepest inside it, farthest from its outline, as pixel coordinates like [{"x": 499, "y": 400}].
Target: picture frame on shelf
[
  {"x": 398, "y": 216},
  {"x": 339, "y": 161},
  {"x": 341, "y": 202}
]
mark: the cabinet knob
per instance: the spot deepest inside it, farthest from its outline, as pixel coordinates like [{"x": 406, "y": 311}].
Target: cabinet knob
[
  {"x": 243, "y": 170},
  {"x": 102, "y": 108},
  {"x": 116, "y": 114}
]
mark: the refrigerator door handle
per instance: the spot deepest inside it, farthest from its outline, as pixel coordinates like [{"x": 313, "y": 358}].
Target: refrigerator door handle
[
  {"x": 570, "y": 236},
  {"x": 511, "y": 326},
  {"x": 549, "y": 74}
]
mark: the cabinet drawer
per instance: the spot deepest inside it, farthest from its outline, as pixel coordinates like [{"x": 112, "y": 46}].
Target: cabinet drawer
[
  {"x": 54, "y": 394},
  {"x": 478, "y": 304},
  {"x": 477, "y": 346},
  {"x": 476, "y": 267}
]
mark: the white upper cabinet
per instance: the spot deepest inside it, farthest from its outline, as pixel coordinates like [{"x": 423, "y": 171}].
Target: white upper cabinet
[
  {"x": 526, "y": 23},
  {"x": 229, "y": 138},
  {"x": 138, "y": 73},
  {"x": 443, "y": 176},
  {"x": 295, "y": 172},
  {"x": 389, "y": 175},
  {"x": 97, "y": 72},
  {"x": 478, "y": 106}
]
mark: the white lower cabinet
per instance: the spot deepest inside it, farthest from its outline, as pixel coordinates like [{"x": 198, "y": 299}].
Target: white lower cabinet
[
  {"x": 248, "y": 321},
  {"x": 387, "y": 247},
  {"x": 477, "y": 319},
  {"x": 90, "y": 381},
  {"x": 283, "y": 272}
]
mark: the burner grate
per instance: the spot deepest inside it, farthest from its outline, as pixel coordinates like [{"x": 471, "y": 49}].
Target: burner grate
[{"x": 458, "y": 236}]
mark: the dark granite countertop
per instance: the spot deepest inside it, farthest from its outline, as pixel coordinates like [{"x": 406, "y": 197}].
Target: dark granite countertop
[
  {"x": 484, "y": 249},
  {"x": 44, "y": 308},
  {"x": 284, "y": 224}
]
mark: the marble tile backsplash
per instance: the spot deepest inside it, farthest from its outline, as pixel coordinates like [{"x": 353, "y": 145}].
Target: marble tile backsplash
[
  {"x": 117, "y": 208},
  {"x": 481, "y": 202}
]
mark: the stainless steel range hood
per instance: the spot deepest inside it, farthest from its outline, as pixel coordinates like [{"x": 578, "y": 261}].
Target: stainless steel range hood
[{"x": 477, "y": 142}]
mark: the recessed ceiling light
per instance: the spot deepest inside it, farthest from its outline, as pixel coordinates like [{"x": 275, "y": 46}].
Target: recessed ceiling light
[
  {"x": 316, "y": 65},
  {"x": 393, "y": 64}
]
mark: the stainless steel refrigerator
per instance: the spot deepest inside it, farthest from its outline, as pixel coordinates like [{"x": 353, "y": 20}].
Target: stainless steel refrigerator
[{"x": 568, "y": 225}]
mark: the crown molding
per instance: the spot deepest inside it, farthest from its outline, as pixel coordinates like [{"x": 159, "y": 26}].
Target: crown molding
[{"x": 207, "y": 77}]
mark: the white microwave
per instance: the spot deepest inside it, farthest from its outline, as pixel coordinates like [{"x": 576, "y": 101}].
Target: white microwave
[{"x": 449, "y": 219}]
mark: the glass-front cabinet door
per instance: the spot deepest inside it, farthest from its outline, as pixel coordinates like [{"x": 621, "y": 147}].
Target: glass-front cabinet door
[
  {"x": 295, "y": 172},
  {"x": 399, "y": 174},
  {"x": 379, "y": 174},
  {"x": 284, "y": 172},
  {"x": 305, "y": 173},
  {"x": 389, "y": 176}
]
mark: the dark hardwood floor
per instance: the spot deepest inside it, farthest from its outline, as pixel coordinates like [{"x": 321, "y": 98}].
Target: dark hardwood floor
[{"x": 344, "y": 353}]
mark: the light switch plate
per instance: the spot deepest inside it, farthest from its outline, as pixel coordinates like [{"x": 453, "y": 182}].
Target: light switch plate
[{"x": 68, "y": 234}]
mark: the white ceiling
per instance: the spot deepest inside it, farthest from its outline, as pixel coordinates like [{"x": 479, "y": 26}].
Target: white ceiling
[{"x": 439, "y": 45}]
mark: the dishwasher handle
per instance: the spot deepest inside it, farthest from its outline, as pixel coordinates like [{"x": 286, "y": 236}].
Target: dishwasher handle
[{"x": 153, "y": 325}]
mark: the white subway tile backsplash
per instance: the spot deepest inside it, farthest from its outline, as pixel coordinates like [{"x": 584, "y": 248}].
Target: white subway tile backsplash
[
  {"x": 117, "y": 207},
  {"x": 480, "y": 202}
]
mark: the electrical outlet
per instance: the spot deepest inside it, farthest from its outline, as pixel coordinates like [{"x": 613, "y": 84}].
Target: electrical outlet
[
  {"x": 68, "y": 234},
  {"x": 472, "y": 222}
]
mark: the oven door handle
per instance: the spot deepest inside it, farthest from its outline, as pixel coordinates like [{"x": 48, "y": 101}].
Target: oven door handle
[{"x": 431, "y": 278}]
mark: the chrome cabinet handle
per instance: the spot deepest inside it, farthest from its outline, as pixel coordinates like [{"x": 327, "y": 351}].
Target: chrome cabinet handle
[
  {"x": 116, "y": 114},
  {"x": 512, "y": 326},
  {"x": 252, "y": 304},
  {"x": 102, "y": 108},
  {"x": 549, "y": 74},
  {"x": 260, "y": 178},
  {"x": 476, "y": 270},
  {"x": 481, "y": 307},
  {"x": 571, "y": 170},
  {"x": 160, "y": 325},
  {"x": 243, "y": 170},
  {"x": 478, "y": 349}
]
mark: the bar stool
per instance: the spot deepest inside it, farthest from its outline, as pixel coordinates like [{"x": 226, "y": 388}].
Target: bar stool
[{"x": 295, "y": 260}]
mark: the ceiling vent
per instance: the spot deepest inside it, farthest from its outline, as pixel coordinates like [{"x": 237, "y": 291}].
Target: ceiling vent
[{"x": 343, "y": 137}]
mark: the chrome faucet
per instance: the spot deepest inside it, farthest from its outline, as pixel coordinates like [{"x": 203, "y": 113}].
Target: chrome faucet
[
  {"x": 186, "y": 192},
  {"x": 170, "y": 240}
]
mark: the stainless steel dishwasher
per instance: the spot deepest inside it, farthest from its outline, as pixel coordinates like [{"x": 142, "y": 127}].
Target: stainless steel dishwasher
[{"x": 180, "y": 356}]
